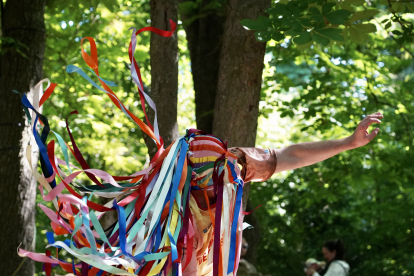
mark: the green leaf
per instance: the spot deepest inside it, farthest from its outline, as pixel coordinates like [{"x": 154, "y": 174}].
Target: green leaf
[
  {"x": 262, "y": 23},
  {"x": 355, "y": 2},
  {"x": 277, "y": 10},
  {"x": 292, "y": 32},
  {"x": 305, "y": 22},
  {"x": 318, "y": 19},
  {"x": 303, "y": 39},
  {"x": 277, "y": 36},
  {"x": 410, "y": 6},
  {"x": 366, "y": 14},
  {"x": 388, "y": 25},
  {"x": 263, "y": 35},
  {"x": 293, "y": 8},
  {"x": 296, "y": 25},
  {"x": 338, "y": 16},
  {"x": 344, "y": 34},
  {"x": 366, "y": 28},
  {"x": 398, "y": 7},
  {"x": 331, "y": 33},
  {"x": 314, "y": 10},
  {"x": 385, "y": 20},
  {"x": 320, "y": 39},
  {"x": 356, "y": 36},
  {"x": 327, "y": 7},
  {"x": 397, "y": 32}
]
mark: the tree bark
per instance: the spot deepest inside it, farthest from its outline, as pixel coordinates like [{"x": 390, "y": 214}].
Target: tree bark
[
  {"x": 21, "y": 69},
  {"x": 240, "y": 78},
  {"x": 164, "y": 72},
  {"x": 205, "y": 40}
]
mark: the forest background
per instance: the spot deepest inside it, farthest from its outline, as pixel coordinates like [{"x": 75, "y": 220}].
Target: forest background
[{"x": 327, "y": 64}]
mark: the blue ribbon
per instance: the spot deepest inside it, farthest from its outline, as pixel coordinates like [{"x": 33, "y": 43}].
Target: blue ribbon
[
  {"x": 73, "y": 266},
  {"x": 232, "y": 254},
  {"x": 50, "y": 238},
  {"x": 176, "y": 183},
  {"x": 40, "y": 141},
  {"x": 122, "y": 234}
]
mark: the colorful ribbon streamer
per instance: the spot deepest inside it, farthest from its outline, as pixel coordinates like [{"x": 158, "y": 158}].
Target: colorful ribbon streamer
[{"x": 157, "y": 216}]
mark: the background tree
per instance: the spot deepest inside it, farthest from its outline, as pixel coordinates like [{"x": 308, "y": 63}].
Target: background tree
[
  {"x": 164, "y": 72},
  {"x": 22, "y": 49},
  {"x": 204, "y": 22}
]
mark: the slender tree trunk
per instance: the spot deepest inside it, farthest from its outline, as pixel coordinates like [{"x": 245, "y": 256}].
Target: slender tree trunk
[
  {"x": 238, "y": 91},
  {"x": 252, "y": 236},
  {"x": 21, "y": 69},
  {"x": 227, "y": 65},
  {"x": 205, "y": 40},
  {"x": 164, "y": 72},
  {"x": 240, "y": 78}
]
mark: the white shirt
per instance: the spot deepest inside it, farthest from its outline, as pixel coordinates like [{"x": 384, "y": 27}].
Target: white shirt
[{"x": 337, "y": 268}]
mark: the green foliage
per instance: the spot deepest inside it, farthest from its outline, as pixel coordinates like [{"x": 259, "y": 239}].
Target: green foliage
[
  {"x": 327, "y": 21},
  {"x": 364, "y": 196}
]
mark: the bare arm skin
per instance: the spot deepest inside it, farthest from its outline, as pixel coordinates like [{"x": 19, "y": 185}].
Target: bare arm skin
[{"x": 305, "y": 154}]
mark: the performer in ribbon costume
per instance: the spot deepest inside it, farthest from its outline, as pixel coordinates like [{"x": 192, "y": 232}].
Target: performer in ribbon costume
[{"x": 182, "y": 215}]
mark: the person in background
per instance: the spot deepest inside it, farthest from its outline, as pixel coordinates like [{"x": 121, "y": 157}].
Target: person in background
[
  {"x": 313, "y": 263},
  {"x": 334, "y": 253},
  {"x": 246, "y": 268}
]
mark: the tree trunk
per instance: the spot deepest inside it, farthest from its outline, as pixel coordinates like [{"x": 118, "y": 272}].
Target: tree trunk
[
  {"x": 205, "y": 40},
  {"x": 164, "y": 72},
  {"x": 253, "y": 236},
  {"x": 21, "y": 68},
  {"x": 240, "y": 78}
]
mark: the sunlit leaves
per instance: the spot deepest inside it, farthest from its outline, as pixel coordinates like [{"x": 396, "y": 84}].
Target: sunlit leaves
[
  {"x": 365, "y": 14},
  {"x": 325, "y": 92},
  {"x": 366, "y": 28},
  {"x": 355, "y": 2},
  {"x": 313, "y": 21}
]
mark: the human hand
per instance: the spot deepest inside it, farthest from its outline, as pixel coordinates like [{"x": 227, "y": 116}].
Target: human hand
[
  {"x": 310, "y": 271},
  {"x": 315, "y": 267},
  {"x": 361, "y": 137}
]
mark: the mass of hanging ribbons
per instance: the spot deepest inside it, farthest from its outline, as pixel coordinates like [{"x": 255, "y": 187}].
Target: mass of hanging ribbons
[{"x": 155, "y": 229}]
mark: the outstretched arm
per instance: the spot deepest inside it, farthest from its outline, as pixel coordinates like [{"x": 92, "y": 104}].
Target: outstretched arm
[{"x": 305, "y": 154}]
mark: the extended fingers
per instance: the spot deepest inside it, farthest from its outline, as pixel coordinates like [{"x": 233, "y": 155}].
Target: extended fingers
[
  {"x": 373, "y": 134},
  {"x": 369, "y": 121},
  {"x": 375, "y": 115}
]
